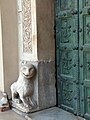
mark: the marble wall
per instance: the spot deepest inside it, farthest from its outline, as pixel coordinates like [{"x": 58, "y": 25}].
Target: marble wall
[{"x": 9, "y": 44}]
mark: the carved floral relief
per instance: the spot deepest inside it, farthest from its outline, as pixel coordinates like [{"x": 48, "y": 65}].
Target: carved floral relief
[
  {"x": 27, "y": 27},
  {"x": 66, "y": 63},
  {"x": 65, "y": 31},
  {"x": 67, "y": 93}
]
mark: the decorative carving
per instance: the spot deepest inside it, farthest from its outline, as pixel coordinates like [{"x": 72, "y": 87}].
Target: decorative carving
[
  {"x": 22, "y": 90},
  {"x": 4, "y": 102},
  {"x": 67, "y": 4},
  {"x": 27, "y": 27},
  {"x": 66, "y": 63},
  {"x": 65, "y": 31},
  {"x": 88, "y": 100},
  {"x": 87, "y": 3},
  {"x": 67, "y": 93},
  {"x": 88, "y": 65},
  {"x": 88, "y": 29}
]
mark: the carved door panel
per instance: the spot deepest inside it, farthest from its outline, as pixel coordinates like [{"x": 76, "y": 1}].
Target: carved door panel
[
  {"x": 67, "y": 54},
  {"x": 73, "y": 55},
  {"x": 84, "y": 55}
]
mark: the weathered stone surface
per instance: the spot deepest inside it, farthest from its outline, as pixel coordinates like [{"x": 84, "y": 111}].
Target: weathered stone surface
[
  {"x": 46, "y": 53},
  {"x": 22, "y": 90},
  {"x": 45, "y": 29},
  {"x": 48, "y": 114},
  {"x": 39, "y": 30},
  {"x": 10, "y": 115},
  {"x": 4, "y": 102},
  {"x": 54, "y": 114},
  {"x": 4, "y": 99},
  {"x": 44, "y": 85},
  {"x": 46, "y": 82},
  {"x": 27, "y": 30}
]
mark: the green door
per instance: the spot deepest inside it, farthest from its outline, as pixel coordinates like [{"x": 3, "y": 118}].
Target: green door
[
  {"x": 73, "y": 55},
  {"x": 84, "y": 57}
]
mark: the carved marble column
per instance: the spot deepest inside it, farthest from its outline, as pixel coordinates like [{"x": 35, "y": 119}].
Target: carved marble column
[{"x": 37, "y": 46}]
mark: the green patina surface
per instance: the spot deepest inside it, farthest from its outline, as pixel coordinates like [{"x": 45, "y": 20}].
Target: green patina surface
[{"x": 73, "y": 55}]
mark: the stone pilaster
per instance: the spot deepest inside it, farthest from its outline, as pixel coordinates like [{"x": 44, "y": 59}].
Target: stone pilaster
[
  {"x": 37, "y": 46},
  {"x": 46, "y": 53}
]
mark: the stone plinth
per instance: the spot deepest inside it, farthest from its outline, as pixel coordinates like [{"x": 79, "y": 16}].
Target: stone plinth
[{"x": 46, "y": 84}]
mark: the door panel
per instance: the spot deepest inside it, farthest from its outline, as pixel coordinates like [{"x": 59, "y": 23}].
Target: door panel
[
  {"x": 67, "y": 4},
  {"x": 67, "y": 51},
  {"x": 73, "y": 55},
  {"x": 84, "y": 57}
]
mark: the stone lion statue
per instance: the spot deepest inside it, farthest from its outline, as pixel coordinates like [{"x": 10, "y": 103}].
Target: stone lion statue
[{"x": 22, "y": 90}]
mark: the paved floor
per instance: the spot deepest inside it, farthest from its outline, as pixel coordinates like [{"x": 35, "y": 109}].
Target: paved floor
[
  {"x": 54, "y": 114},
  {"x": 49, "y": 114},
  {"x": 10, "y": 115}
]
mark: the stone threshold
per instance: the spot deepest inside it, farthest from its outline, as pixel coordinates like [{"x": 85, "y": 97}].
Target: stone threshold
[{"x": 53, "y": 113}]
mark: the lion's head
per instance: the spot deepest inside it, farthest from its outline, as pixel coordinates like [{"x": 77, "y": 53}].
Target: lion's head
[{"x": 28, "y": 71}]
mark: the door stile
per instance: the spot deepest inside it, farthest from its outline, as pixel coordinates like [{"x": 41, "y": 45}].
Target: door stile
[
  {"x": 84, "y": 56},
  {"x": 81, "y": 30},
  {"x": 67, "y": 54}
]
